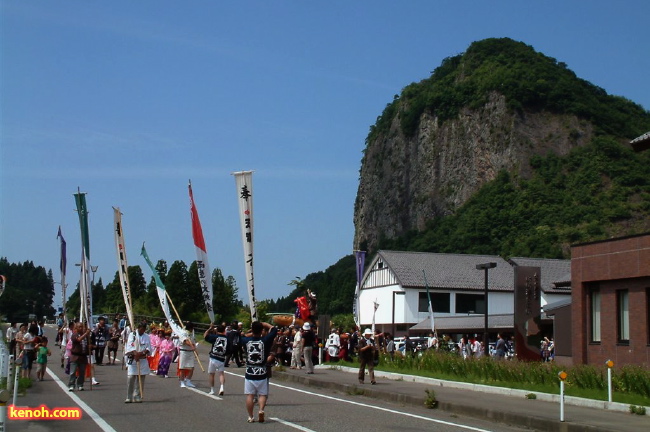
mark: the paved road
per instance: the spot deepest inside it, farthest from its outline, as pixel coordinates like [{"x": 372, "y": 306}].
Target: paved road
[{"x": 292, "y": 406}]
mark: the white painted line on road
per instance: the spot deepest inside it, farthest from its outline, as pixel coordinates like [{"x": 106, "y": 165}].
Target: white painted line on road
[
  {"x": 202, "y": 393},
  {"x": 93, "y": 415},
  {"x": 293, "y": 425},
  {"x": 383, "y": 409}
]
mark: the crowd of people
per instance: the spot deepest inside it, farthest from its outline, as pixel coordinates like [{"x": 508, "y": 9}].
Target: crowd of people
[
  {"x": 152, "y": 349},
  {"x": 29, "y": 346}
]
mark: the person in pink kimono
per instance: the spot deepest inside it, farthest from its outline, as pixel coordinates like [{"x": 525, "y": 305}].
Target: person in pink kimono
[
  {"x": 153, "y": 358},
  {"x": 166, "y": 349}
]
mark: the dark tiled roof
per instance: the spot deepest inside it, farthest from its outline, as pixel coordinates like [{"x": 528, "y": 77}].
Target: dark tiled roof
[
  {"x": 556, "y": 273},
  {"x": 473, "y": 322},
  {"x": 448, "y": 271}
]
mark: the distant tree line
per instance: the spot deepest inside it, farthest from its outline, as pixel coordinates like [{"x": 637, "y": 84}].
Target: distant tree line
[
  {"x": 29, "y": 290},
  {"x": 182, "y": 285}
]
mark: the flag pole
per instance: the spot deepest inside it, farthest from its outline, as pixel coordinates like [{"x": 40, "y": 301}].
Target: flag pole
[{"x": 433, "y": 327}]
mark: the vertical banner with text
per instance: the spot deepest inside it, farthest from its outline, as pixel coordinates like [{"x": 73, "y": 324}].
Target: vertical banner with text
[
  {"x": 205, "y": 276},
  {"x": 244, "y": 182},
  {"x": 122, "y": 265}
]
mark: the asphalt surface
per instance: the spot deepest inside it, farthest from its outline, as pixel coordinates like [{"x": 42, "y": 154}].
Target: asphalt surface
[{"x": 323, "y": 401}]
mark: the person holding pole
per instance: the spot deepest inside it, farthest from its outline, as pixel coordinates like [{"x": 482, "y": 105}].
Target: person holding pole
[
  {"x": 136, "y": 350},
  {"x": 78, "y": 356},
  {"x": 186, "y": 358}
]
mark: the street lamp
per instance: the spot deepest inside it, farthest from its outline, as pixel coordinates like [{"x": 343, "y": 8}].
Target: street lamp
[
  {"x": 486, "y": 341},
  {"x": 94, "y": 270}
]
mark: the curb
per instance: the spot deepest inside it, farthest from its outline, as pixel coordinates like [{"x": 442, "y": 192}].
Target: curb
[
  {"x": 501, "y": 416},
  {"x": 547, "y": 397}
]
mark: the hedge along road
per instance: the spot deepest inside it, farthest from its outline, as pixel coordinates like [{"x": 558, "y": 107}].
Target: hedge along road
[{"x": 168, "y": 407}]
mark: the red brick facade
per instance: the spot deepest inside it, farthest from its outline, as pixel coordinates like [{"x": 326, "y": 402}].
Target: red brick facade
[{"x": 610, "y": 267}]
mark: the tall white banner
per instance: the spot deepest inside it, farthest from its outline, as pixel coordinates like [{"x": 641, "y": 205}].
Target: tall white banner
[
  {"x": 244, "y": 182},
  {"x": 122, "y": 265}
]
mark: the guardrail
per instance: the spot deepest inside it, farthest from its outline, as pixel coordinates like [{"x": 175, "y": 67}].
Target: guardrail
[{"x": 9, "y": 374}]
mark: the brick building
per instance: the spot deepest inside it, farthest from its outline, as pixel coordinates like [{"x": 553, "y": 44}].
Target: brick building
[{"x": 610, "y": 280}]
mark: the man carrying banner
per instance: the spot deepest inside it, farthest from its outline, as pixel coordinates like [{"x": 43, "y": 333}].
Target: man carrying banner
[
  {"x": 136, "y": 350},
  {"x": 78, "y": 357}
]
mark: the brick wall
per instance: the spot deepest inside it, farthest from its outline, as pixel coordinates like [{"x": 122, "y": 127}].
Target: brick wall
[{"x": 611, "y": 265}]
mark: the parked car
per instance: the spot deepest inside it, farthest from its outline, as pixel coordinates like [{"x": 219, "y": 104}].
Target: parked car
[{"x": 419, "y": 343}]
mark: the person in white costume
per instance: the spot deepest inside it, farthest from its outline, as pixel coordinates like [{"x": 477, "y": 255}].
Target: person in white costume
[{"x": 137, "y": 347}]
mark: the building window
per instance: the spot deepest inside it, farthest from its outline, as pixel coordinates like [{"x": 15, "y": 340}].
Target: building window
[
  {"x": 470, "y": 303},
  {"x": 440, "y": 302},
  {"x": 595, "y": 315},
  {"x": 623, "y": 316}
]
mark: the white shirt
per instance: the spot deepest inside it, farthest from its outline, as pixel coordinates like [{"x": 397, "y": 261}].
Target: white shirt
[
  {"x": 137, "y": 343},
  {"x": 333, "y": 340},
  {"x": 297, "y": 339}
]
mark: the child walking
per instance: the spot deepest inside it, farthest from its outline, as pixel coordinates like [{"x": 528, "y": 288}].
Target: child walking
[{"x": 42, "y": 353}]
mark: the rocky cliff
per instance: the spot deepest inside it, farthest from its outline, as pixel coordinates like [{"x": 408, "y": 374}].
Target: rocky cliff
[{"x": 407, "y": 180}]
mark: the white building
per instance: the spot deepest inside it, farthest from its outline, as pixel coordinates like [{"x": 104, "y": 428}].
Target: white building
[{"x": 397, "y": 283}]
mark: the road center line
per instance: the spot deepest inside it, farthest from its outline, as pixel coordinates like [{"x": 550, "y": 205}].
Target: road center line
[
  {"x": 202, "y": 393},
  {"x": 91, "y": 413}
]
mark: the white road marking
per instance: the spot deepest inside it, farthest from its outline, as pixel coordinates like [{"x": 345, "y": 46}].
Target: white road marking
[
  {"x": 293, "y": 425},
  {"x": 202, "y": 393},
  {"x": 93, "y": 415},
  {"x": 383, "y": 409}
]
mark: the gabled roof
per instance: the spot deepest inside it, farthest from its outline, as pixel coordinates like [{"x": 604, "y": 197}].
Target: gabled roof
[
  {"x": 447, "y": 271},
  {"x": 556, "y": 273}
]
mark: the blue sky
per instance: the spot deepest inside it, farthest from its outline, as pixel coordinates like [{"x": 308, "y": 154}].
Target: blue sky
[{"x": 129, "y": 100}]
